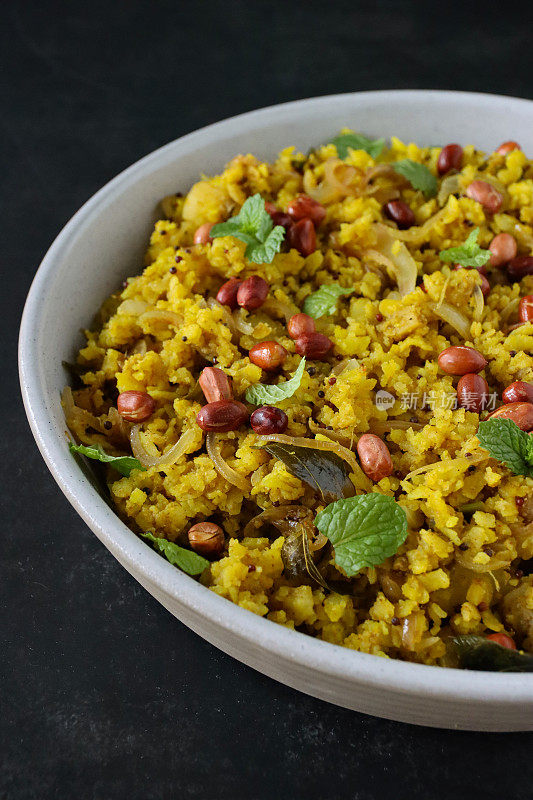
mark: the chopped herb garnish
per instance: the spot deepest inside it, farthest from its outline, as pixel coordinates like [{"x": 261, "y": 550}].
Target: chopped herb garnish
[
  {"x": 271, "y": 394},
  {"x": 418, "y": 176},
  {"x": 507, "y": 443},
  {"x": 253, "y": 225},
  {"x": 356, "y": 141},
  {"x": 324, "y": 471},
  {"x": 187, "y": 560},
  {"x": 324, "y": 301},
  {"x": 363, "y": 530},
  {"x": 477, "y": 652},
  {"x": 469, "y": 254},
  {"x": 122, "y": 464}
]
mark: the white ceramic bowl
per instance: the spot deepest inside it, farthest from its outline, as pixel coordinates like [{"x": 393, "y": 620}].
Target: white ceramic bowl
[{"x": 103, "y": 243}]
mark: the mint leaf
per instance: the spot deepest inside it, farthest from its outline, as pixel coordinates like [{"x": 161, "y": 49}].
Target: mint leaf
[
  {"x": 261, "y": 395},
  {"x": 364, "y": 530},
  {"x": 418, "y": 176},
  {"x": 122, "y": 464},
  {"x": 468, "y": 254},
  {"x": 187, "y": 560},
  {"x": 356, "y": 141},
  {"x": 253, "y": 226},
  {"x": 507, "y": 443},
  {"x": 324, "y": 301}
]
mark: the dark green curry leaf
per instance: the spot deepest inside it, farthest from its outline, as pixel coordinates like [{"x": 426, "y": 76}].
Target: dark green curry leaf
[
  {"x": 507, "y": 443},
  {"x": 477, "y": 652},
  {"x": 122, "y": 464},
  {"x": 187, "y": 560},
  {"x": 324, "y": 471},
  {"x": 363, "y": 530}
]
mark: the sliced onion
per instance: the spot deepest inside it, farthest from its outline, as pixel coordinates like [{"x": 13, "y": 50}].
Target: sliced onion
[
  {"x": 419, "y": 233},
  {"x": 514, "y": 327},
  {"x": 133, "y": 307},
  {"x": 345, "y": 366},
  {"x": 404, "y": 265},
  {"x": 466, "y": 560},
  {"x": 162, "y": 315},
  {"x": 460, "y": 461},
  {"x": 74, "y": 414},
  {"x": 317, "y": 444},
  {"x": 241, "y": 324},
  {"x": 453, "y": 317},
  {"x": 336, "y": 184},
  {"x": 450, "y": 185},
  {"x": 394, "y": 425},
  {"x": 479, "y": 303},
  {"x": 223, "y": 468},
  {"x": 509, "y": 309},
  {"x": 168, "y": 458},
  {"x": 277, "y": 308}
]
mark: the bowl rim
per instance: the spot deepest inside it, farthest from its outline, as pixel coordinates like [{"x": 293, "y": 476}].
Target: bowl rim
[{"x": 305, "y": 651}]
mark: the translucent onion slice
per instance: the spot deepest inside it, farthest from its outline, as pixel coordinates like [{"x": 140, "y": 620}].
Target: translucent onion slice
[
  {"x": 509, "y": 309},
  {"x": 168, "y": 458},
  {"x": 394, "y": 425},
  {"x": 133, "y": 307},
  {"x": 317, "y": 444},
  {"x": 337, "y": 182},
  {"x": 241, "y": 324},
  {"x": 277, "y": 308},
  {"x": 162, "y": 315},
  {"x": 449, "y": 185},
  {"x": 460, "y": 461},
  {"x": 227, "y": 318},
  {"x": 479, "y": 303},
  {"x": 223, "y": 468},
  {"x": 404, "y": 265},
  {"x": 453, "y": 317},
  {"x": 419, "y": 233},
  {"x": 498, "y": 561}
]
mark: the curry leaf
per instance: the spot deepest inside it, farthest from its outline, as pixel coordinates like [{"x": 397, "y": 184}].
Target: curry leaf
[
  {"x": 468, "y": 254},
  {"x": 187, "y": 560},
  {"x": 270, "y": 394},
  {"x": 324, "y": 301},
  {"x": 122, "y": 464},
  {"x": 363, "y": 530},
  {"x": 324, "y": 471},
  {"x": 418, "y": 176},
  {"x": 477, "y": 652},
  {"x": 253, "y": 225},
  {"x": 507, "y": 443},
  {"x": 356, "y": 141}
]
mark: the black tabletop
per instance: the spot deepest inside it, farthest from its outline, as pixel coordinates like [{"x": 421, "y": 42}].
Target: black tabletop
[{"x": 104, "y": 694}]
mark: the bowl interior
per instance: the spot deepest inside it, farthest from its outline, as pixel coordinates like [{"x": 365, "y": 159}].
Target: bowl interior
[{"x": 105, "y": 242}]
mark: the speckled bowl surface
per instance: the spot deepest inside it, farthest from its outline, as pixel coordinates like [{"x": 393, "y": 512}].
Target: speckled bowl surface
[{"x": 103, "y": 243}]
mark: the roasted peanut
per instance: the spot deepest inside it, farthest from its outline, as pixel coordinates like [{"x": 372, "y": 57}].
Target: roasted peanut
[
  {"x": 268, "y": 355},
  {"x": 525, "y": 308},
  {"x": 485, "y": 194},
  {"x": 135, "y": 406},
  {"x": 400, "y": 213},
  {"x": 376, "y": 461},
  {"x": 518, "y": 392},
  {"x": 502, "y": 249},
  {"x": 485, "y": 284},
  {"x": 519, "y": 267},
  {"x": 458, "y": 360},
  {"x": 450, "y": 157},
  {"x": 278, "y": 217},
  {"x": 201, "y": 235},
  {"x": 269, "y": 419},
  {"x": 473, "y": 392},
  {"x": 215, "y": 384},
  {"x": 507, "y": 147},
  {"x": 300, "y": 325},
  {"x": 222, "y": 416},
  {"x": 206, "y": 538},
  {"x": 315, "y": 346},
  {"x": 520, "y": 413},
  {"x": 252, "y": 293},
  {"x": 227, "y": 294},
  {"x": 502, "y": 639},
  {"x": 302, "y": 237},
  {"x": 304, "y": 207}
]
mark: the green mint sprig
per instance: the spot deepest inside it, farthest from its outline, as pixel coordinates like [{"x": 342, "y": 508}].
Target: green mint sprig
[
  {"x": 507, "y": 443},
  {"x": 324, "y": 301},
  {"x": 363, "y": 530},
  {"x": 469, "y": 254},
  {"x": 122, "y": 464},
  {"x": 253, "y": 225},
  {"x": 418, "y": 176},
  {"x": 187, "y": 560},
  {"x": 356, "y": 141},
  {"x": 271, "y": 394}
]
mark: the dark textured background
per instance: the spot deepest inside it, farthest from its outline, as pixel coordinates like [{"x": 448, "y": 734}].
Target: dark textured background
[{"x": 104, "y": 694}]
